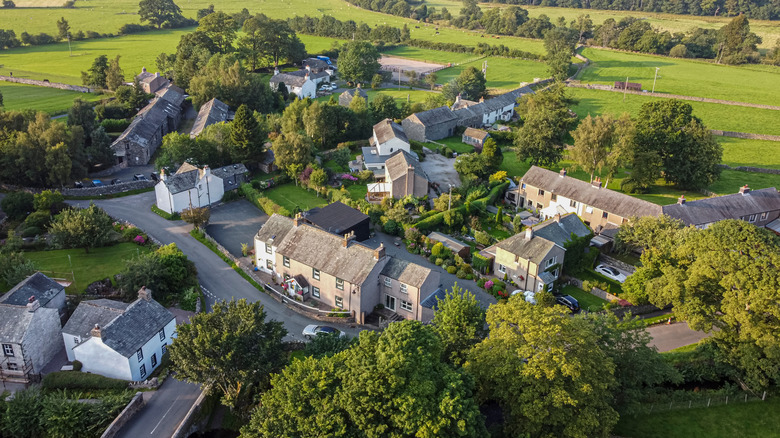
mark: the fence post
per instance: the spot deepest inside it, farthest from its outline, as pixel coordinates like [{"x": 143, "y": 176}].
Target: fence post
[
  {"x": 763, "y": 397},
  {"x": 689, "y": 403},
  {"x": 727, "y": 399},
  {"x": 651, "y": 408},
  {"x": 670, "y": 405},
  {"x": 708, "y": 401},
  {"x": 745, "y": 398}
]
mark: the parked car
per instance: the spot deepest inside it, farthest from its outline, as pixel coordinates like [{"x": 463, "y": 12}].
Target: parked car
[
  {"x": 611, "y": 273},
  {"x": 315, "y": 330},
  {"x": 97, "y": 183},
  {"x": 528, "y": 295},
  {"x": 78, "y": 185},
  {"x": 154, "y": 176},
  {"x": 568, "y": 301},
  {"x": 139, "y": 177},
  {"x": 115, "y": 181}
]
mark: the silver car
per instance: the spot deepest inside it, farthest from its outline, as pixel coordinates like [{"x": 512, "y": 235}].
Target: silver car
[
  {"x": 611, "y": 273},
  {"x": 313, "y": 330}
]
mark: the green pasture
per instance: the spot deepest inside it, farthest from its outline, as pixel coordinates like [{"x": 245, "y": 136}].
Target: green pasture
[
  {"x": 751, "y": 153},
  {"x": 316, "y": 44},
  {"x": 428, "y": 55},
  {"x": 291, "y": 196},
  {"x": 456, "y": 144},
  {"x": 502, "y": 73},
  {"x": 714, "y": 115},
  {"x": 87, "y": 268},
  {"x": 49, "y": 100},
  {"x": 748, "y": 83},
  {"x": 399, "y": 94}
]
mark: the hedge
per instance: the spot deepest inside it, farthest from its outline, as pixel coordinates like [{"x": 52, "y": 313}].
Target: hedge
[
  {"x": 115, "y": 125},
  {"x": 429, "y": 223},
  {"x": 263, "y": 203},
  {"x": 80, "y": 381}
]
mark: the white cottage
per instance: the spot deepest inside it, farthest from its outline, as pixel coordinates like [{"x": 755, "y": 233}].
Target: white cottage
[
  {"x": 389, "y": 137},
  {"x": 194, "y": 187},
  {"x": 302, "y": 83},
  {"x": 119, "y": 340}
]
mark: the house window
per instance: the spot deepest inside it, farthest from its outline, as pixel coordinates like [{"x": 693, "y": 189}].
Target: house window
[
  {"x": 541, "y": 192},
  {"x": 315, "y": 291},
  {"x": 573, "y": 204},
  {"x": 388, "y": 282},
  {"x": 588, "y": 209},
  {"x": 552, "y": 261},
  {"x": 406, "y": 305},
  {"x": 154, "y": 360},
  {"x": 315, "y": 273},
  {"x": 555, "y": 273},
  {"x": 76, "y": 340},
  {"x": 403, "y": 288},
  {"x": 523, "y": 186},
  {"x": 339, "y": 284},
  {"x": 539, "y": 206},
  {"x": 143, "y": 370},
  {"x": 140, "y": 355},
  {"x": 286, "y": 261},
  {"x": 162, "y": 334},
  {"x": 268, "y": 248},
  {"x": 390, "y": 302},
  {"x": 604, "y": 215},
  {"x": 164, "y": 349},
  {"x": 553, "y": 197},
  {"x": 501, "y": 268},
  {"x": 269, "y": 264},
  {"x": 752, "y": 218},
  {"x": 339, "y": 302},
  {"x": 13, "y": 367},
  {"x": 200, "y": 186},
  {"x": 8, "y": 350},
  {"x": 763, "y": 216}
]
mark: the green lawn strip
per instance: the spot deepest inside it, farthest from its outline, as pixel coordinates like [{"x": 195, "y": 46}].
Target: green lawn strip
[
  {"x": 684, "y": 349},
  {"x": 747, "y": 83},
  {"x": 428, "y": 55},
  {"x": 198, "y": 235},
  {"x": 489, "y": 226},
  {"x": 96, "y": 265},
  {"x": 502, "y": 73},
  {"x": 613, "y": 286},
  {"x": 714, "y": 115},
  {"x": 318, "y": 44},
  {"x": 737, "y": 419},
  {"x": 165, "y": 214},
  {"x": 587, "y": 301},
  {"x": 357, "y": 191},
  {"x": 291, "y": 196},
  {"x": 49, "y": 100},
  {"x": 456, "y": 144},
  {"x": 751, "y": 153},
  {"x": 112, "y": 195}
]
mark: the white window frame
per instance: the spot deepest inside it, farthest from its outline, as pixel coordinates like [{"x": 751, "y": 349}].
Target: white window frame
[
  {"x": 140, "y": 354},
  {"x": 8, "y": 350},
  {"x": 269, "y": 264},
  {"x": 164, "y": 349},
  {"x": 339, "y": 283},
  {"x": 572, "y": 203},
  {"x": 315, "y": 273},
  {"x": 752, "y": 218},
  {"x": 315, "y": 292},
  {"x": 142, "y": 370},
  {"x": 286, "y": 261},
  {"x": 154, "y": 360},
  {"x": 268, "y": 249},
  {"x": 501, "y": 268},
  {"x": 406, "y": 305},
  {"x": 388, "y": 282},
  {"x": 404, "y": 288},
  {"x": 162, "y": 334},
  {"x": 764, "y": 215},
  {"x": 339, "y": 302},
  {"x": 552, "y": 261}
]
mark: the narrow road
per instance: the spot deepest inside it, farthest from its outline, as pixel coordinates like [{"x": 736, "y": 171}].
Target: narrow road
[
  {"x": 163, "y": 412},
  {"x": 671, "y": 336}
]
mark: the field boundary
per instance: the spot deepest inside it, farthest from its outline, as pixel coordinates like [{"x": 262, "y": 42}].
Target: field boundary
[
  {"x": 745, "y": 135},
  {"x": 46, "y": 83}
]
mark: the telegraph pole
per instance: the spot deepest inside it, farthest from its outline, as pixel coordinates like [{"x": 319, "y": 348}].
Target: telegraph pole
[
  {"x": 625, "y": 88},
  {"x": 656, "y": 77}
]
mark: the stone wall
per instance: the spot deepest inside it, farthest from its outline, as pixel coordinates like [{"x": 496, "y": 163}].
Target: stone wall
[
  {"x": 745, "y": 135},
  {"x": 189, "y": 424},
  {"x": 126, "y": 415},
  {"x": 46, "y": 84},
  {"x": 748, "y": 169},
  {"x": 108, "y": 189}
]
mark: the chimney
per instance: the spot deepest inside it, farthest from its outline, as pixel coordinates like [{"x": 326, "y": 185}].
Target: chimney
[
  {"x": 529, "y": 233},
  {"x": 681, "y": 200},
  {"x": 308, "y": 68},
  {"x": 162, "y": 174},
  {"x": 145, "y": 294},
  {"x": 33, "y": 304},
  {"x": 95, "y": 332},
  {"x": 596, "y": 182},
  {"x": 157, "y": 74},
  {"x": 206, "y": 171},
  {"x": 298, "y": 220},
  {"x": 457, "y": 98},
  {"x": 481, "y": 99},
  {"x": 307, "y": 76},
  {"x": 276, "y": 71},
  {"x": 379, "y": 253},
  {"x": 562, "y": 173},
  {"x": 744, "y": 190},
  {"x": 143, "y": 69},
  {"x": 348, "y": 238},
  {"x": 557, "y": 217},
  {"x": 358, "y": 85}
]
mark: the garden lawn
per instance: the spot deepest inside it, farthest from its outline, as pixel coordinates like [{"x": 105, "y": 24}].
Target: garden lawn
[
  {"x": 744, "y": 420},
  {"x": 357, "y": 191},
  {"x": 747, "y": 83},
  {"x": 49, "y": 100},
  {"x": 715, "y": 116},
  {"x": 291, "y": 196},
  {"x": 457, "y": 145},
  {"x": 318, "y": 44},
  {"x": 588, "y": 302},
  {"x": 613, "y": 286},
  {"x": 489, "y": 226},
  {"x": 502, "y": 73},
  {"x": 96, "y": 265}
]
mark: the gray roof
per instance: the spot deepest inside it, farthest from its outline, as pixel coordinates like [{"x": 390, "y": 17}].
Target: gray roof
[
  {"x": 735, "y": 206},
  {"x": 172, "y": 95},
  {"x": 130, "y": 330},
  {"x": 315, "y": 63},
  {"x": 472, "y": 112},
  {"x": 387, "y": 130},
  {"x": 448, "y": 241},
  {"x": 183, "y": 179},
  {"x": 581, "y": 191},
  {"x": 546, "y": 277},
  {"x": 230, "y": 170},
  {"x": 432, "y": 300},
  {"x": 38, "y": 285},
  {"x": 559, "y": 232},
  {"x": 399, "y": 163},
  {"x": 335, "y": 217},
  {"x": 151, "y": 118},
  {"x": 294, "y": 78},
  {"x": 346, "y": 97},
  {"x": 534, "y": 249},
  {"x": 211, "y": 112},
  {"x": 371, "y": 155},
  {"x": 476, "y": 133},
  {"x": 442, "y": 114},
  {"x": 406, "y": 272},
  {"x": 275, "y": 229},
  {"x": 14, "y": 321},
  {"x": 89, "y": 313}
]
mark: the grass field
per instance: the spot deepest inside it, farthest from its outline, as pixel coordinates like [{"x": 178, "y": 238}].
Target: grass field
[
  {"x": 49, "y": 100},
  {"x": 749, "y": 83},
  {"x": 291, "y": 196},
  {"x": 96, "y": 265},
  {"x": 316, "y": 45},
  {"x": 752, "y": 153},
  {"x": 588, "y": 302},
  {"x": 744, "y": 420},
  {"x": 456, "y": 144},
  {"x": 715, "y": 116},
  {"x": 428, "y": 55},
  {"x": 502, "y": 73},
  {"x": 357, "y": 191}
]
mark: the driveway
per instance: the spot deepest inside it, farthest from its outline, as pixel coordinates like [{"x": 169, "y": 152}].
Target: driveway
[
  {"x": 235, "y": 223},
  {"x": 441, "y": 169},
  {"x": 670, "y": 336}
]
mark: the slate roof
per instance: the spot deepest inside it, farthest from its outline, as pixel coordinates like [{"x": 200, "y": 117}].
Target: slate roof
[
  {"x": 230, "y": 170},
  {"x": 462, "y": 103},
  {"x": 315, "y": 63},
  {"x": 432, "y": 300},
  {"x": 442, "y": 114},
  {"x": 476, "y": 134},
  {"x": 546, "y": 235},
  {"x": 181, "y": 180},
  {"x": 211, "y": 112},
  {"x": 14, "y": 321},
  {"x": 387, "y": 130},
  {"x": 371, "y": 155},
  {"x": 129, "y": 331},
  {"x": 345, "y": 98},
  {"x": 581, "y": 191},
  {"x": 295, "y": 78},
  {"x": 335, "y": 217},
  {"x": 448, "y": 241},
  {"x": 89, "y": 313},
  {"x": 534, "y": 249},
  {"x": 38, "y": 285},
  {"x": 276, "y": 228},
  {"x": 398, "y": 165},
  {"x": 709, "y": 210},
  {"x": 406, "y": 272},
  {"x": 149, "y": 120}
]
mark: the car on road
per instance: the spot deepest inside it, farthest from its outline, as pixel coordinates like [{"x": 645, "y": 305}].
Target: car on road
[
  {"x": 568, "y": 301},
  {"x": 97, "y": 183},
  {"x": 611, "y": 273},
  {"x": 115, "y": 181},
  {"x": 312, "y": 330},
  {"x": 78, "y": 185},
  {"x": 139, "y": 177}
]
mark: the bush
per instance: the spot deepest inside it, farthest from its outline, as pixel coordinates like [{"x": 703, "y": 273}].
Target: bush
[
  {"x": 131, "y": 28},
  {"x": 31, "y": 232},
  {"x": 461, "y": 273},
  {"x": 115, "y": 125},
  {"x": 481, "y": 282},
  {"x": 451, "y": 269},
  {"x": 80, "y": 381},
  {"x": 439, "y": 261},
  {"x": 17, "y": 204},
  {"x": 391, "y": 227},
  {"x": 38, "y": 219},
  {"x": 263, "y": 203},
  {"x": 77, "y": 365},
  {"x": 231, "y": 195}
]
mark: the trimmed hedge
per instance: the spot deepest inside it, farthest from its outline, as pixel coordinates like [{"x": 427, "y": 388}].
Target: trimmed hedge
[
  {"x": 80, "y": 381},
  {"x": 263, "y": 203}
]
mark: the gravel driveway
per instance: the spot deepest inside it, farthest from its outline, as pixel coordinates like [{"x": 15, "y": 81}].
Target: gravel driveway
[
  {"x": 235, "y": 223},
  {"x": 441, "y": 170}
]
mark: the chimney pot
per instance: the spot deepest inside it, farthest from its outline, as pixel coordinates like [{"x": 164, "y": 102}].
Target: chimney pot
[
  {"x": 379, "y": 253},
  {"x": 744, "y": 189},
  {"x": 95, "y": 332},
  {"x": 557, "y": 217},
  {"x": 529, "y": 233},
  {"x": 681, "y": 200},
  {"x": 33, "y": 304},
  {"x": 298, "y": 220},
  {"x": 145, "y": 294},
  {"x": 563, "y": 172}
]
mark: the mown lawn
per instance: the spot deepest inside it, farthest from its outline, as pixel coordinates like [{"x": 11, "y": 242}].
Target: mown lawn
[
  {"x": 587, "y": 301},
  {"x": 49, "y": 100},
  {"x": 428, "y": 55},
  {"x": 456, "y": 144},
  {"x": 502, "y": 73},
  {"x": 87, "y": 268},
  {"x": 748, "y": 83},
  {"x": 752, "y": 153},
  {"x": 738, "y": 419},
  {"x": 291, "y": 196},
  {"x": 357, "y": 191}
]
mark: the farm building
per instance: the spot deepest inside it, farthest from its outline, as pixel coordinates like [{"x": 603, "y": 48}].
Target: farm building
[
  {"x": 433, "y": 124},
  {"x": 475, "y": 137},
  {"x": 211, "y": 112},
  {"x": 346, "y": 97}
]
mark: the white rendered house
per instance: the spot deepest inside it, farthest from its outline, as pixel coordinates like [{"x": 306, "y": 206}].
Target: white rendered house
[{"x": 191, "y": 187}]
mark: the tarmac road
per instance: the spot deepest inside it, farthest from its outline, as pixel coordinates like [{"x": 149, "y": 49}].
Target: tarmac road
[{"x": 163, "y": 411}]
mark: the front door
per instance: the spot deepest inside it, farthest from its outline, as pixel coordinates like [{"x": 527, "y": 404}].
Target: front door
[{"x": 390, "y": 302}]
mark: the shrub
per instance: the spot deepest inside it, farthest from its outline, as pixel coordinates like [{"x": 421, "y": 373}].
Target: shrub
[
  {"x": 451, "y": 269},
  {"x": 483, "y": 238},
  {"x": 391, "y": 227},
  {"x": 77, "y": 365},
  {"x": 488, "y": 285},
  {"x": 80, "y": 381},
  {"x": 131, "y": 28},
  {"x": 461, "y": 273},
  {"x": 38, "y": 219},
  {"x": 115, "y": 125},
  {"x": 439, "y": 261},
  {"x": 17, "y": 204},
  {"x": 481, "y": 282},
  {"x": 31, "y": 232}
]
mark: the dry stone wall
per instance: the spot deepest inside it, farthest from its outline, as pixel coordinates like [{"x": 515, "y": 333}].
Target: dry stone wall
[{"x": 48, "y": 84}]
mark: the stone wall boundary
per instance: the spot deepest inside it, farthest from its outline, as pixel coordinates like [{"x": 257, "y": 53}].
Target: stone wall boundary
[
  {"x": 97, "y": 192},
  {"x": 745, "y": 135},
  {"x": 188, "y": 425},
  {"x": 135, "y": 405},
  {"x": 749, "y": 169},
  {"x": 47, "y": 84}
]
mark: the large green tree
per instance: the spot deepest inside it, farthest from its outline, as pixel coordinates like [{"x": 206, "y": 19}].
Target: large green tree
[
  {"x": 358, "y": 61},
  {"x": 384, "y": 107},
  {"x": 593, "y": 140},
  {"x": 166, "y": 271},
  {"x": 470, "y": 84},
  {"x": 273, "y": 39},
  {"x": 96, "y": 75},
  {"x": 546, "y": 121},
  {"x": 233, "y": 349},
  {"x": 84, "y": 228},
  {"x": 247, "y": 135},
  {"x": 559, "y": 43},
  {"x": 115, "y": 77},
  {"x": 459, "y": 321},
  {"x": 293, "y": 149},
  {"x": 225, "y": 78},
  {"x": 221, "y": 28},
  {"x": 159, "y": 12},
  {"x": 736, "y": 43}
]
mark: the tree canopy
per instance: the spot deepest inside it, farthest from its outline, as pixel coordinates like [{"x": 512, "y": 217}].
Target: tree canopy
[
  {"x": 84, "y": 228},
  {"x": 159, "y": 12},
  {"x": 358, "y": 61},
  {"x": 546, "y": 121}
]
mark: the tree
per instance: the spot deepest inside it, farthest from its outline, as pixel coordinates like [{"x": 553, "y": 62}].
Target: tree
[
  {"x": 63, "y": 29},
  {"x": 292, "y": 149},
  {"x": 82, "y": 113},
  {"x": 491, "y": 156},
  {"x": 546, "y": 384},
  {"x": 384, "y": 107},
  {"x": 459, "y": 321},
  {"x": 737, "y": 44},
  {"x": 246, "y": 135},
  {"x": 84, "y": 228},
  {"x": 220, "y": 28},
  {"x": 18, "y": 205},
  {"x": 271, "y": 38},
  {"x": 559, "y": 43},
  {"x": 225, "y": 78},
  {"x": 341, "y": 156},
  {"x": 197, "y": 216},
  {"x": 8, "y": 4},
  {"x": 115, "y": 77},
  {"x": 96, "y": 75},
  {"x": 59, "y": 164},
  {"x": 159, "y": 12},
  {"x": 15, "y": 267},
  {"x": 646, "y": 232},
  {"x": 772, "y": 58},
  {"x": 546, "y": 121},
  {"x": 318, "y": 178},
  {"x": 48, "y": 201},
  {"x": 233, "y": 349},
  {"x": 99, "y": 151},
  {"x": 324, "y": 345},
  {"x": 592, "y": 143},
  {"x": 470, "y": 84},
  {"x": 430, "y": 79},
  {"x": 167, "y": 272},
  {"x": 358, "y": 61}
]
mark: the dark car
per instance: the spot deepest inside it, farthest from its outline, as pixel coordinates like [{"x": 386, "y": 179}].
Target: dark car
[
  {"x": 97, "y": 183},
  {"x": 78, "y": 185},
  {"x": 139, "y": 177},
  {"x": 569, "y": 301},
  {"x": 115, "y": 181},
  {"x": 154, "y": 176}
]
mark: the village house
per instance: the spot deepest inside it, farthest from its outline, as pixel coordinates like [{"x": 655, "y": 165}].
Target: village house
[
  {"x": 316, "y": 65},
  {"x": 30, "y": 338},
  {"x": 337, "y": 271},
  {"x": 475, "y": 137},
  {"x": 533, "y": 258},
  {"x": 267, "y": 163},
  {"x": 759, "y": 207},
  {"x": 433, "y": 124},
  {"x": 211, "y": 112},
  {"x": 389, "y": 137},
  {"x": 449, "y": 242},
  {"x": 193, "y": 187},
  {"x": 119, "y": 340},
  {"x": 403, "y": 176},
  {"x": 486, "y": 112},
  {"x": 48, "y": 292},
  {"x": 346, "y": 97},
  {"x": 151, "y": 82},
  {"x": 303, "y": 83},
  {"x": 340, "y": 219},
  {"x": 141, "y": 139}
]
